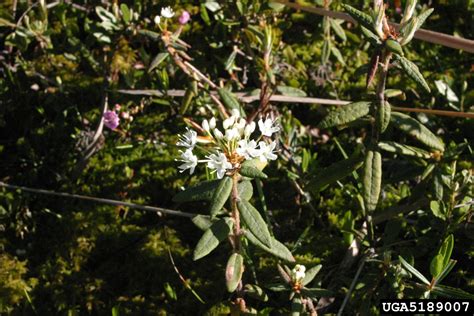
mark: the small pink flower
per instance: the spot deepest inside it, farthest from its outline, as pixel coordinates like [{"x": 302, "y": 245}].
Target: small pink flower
[
  {"x": 184, "y": 18},
  {"x": 111, "y": 119}
]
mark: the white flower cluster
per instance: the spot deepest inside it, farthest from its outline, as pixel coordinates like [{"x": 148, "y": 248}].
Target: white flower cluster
[
  {"x": 230, "y": 147},
  {"x": 166, "y": 13},
  {"x": 298, "y": 273}
]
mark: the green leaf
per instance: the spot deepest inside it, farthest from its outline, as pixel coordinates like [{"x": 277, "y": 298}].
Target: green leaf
[
  {"x": 414, "y": 128},
  {"x": 221, "y": 195},
  {"x": 290, "y": 91},
  {"x": 153, "y": 35},
  {"x": 371, "y": 37},
  {"x": 255, "y": 222},
  {"x": 277, "y": 249},
  {"x": 203, "y": 222},
  {"x": 157, "y": 61},
  {"x": 394, "y": 46},
  {"x": 436, "y": 265},
  {"x": 450, "y": 292},
  {"x": 362, "y": 18},
  {"x": 412, "y": 71},
  {"x": 310, "y": 274},
  {"x": 345, "y": 114},
  {"x": 202, "y": 191},
  {"x": 405, "y": 150},
  {"x": 438, "y": 210},
  {"x": 256, "y": 292},
  {"x": 333, "y": 173},
  {"x": 297, "y": 306},
  {"x": 335, "y": 51},
  {"x": 338, "y": 29},
  {"x": 212, "y": 237},
  {"x": 245, "y": 190},
  {"x": 234, "y": 271},
  {"x": 315, "y": 293},
  {"x": 444, "y": 273},
  {"x": 423, "y": 16},
  {"x": 125, "y": 12},
  {"x": 446, "y": 249},
  {"x": 372, "y": 179},
  {"x": 383, "y": 116},
  {"x": 413, "y": 271},
  {"x": 229, "y": 100},
  {"x": 249, "y": 170}
]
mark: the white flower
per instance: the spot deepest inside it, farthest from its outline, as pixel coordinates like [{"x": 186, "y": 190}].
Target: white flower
[
  {"x": 205, "y": 125},
  {"x": 167, "y": 12},
  {"x": 248, "y": 149},
  {"x": 212, "y": 123},
  {"x": 219, "y": 163},
  {"x": 218, "y": 134},
  {"x": 235, "y": 113},
  {"x": 267, "y": 127},
  {"x": 228, "y": 122},
  {"x": 157, "y": 19},
  {"x": 266, "y": 151},
  {"x": 189, "y": 159},
  {"x": 241, "y": 125},
  {"x": 249, "y": 129},
  {"x": 298, "y": 273},
  {"x": 187, "y": 140},
  {"x": 232, "y": 134}
]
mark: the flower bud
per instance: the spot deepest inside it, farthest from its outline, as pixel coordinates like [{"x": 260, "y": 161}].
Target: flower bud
[
  {"x": 218, "y": 134},
  {"x": 212, "y": 123},
  {"x": 157, "y": 19},
  {"x": 184, "y": 18},
  {"x": 228, "y": 122},
  {"x": 205, "y": 125},
  {"x": 249, "y": 129},
  {"x": 235, "y": 113}
]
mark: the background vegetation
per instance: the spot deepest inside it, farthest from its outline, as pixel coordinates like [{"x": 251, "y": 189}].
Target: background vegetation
[{"x": 63, "y": 256}]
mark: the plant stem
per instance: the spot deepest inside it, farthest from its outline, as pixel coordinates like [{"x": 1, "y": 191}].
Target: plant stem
[{"x": 235, "y": 214}]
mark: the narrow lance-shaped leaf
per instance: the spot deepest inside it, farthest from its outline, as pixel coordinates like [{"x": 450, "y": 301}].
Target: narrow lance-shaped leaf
[
  {"x": 203, "y": 191},
  {"x": 315, "y": 293},
  {"x": 394, "y": 46},
  {"x": 383, "y": 116},
  {"x": 362, "y": 18},
  {"x": 436, "y": 265},
  {"x": 284, "y": 274},
  {"x": 220, "y": 196},
  {"x": 423, "y": 16},
  {"x": 203, "y": 222},
  {"x": 310, "y": 274},
  {"x": 212, "y": 237},
  {"x": 414, "y": 128},
  {"x": 255, "y": 222},
  {"x": 256, "y": 292},
  {"x": 338, "y": 29},
  {"x": 403, "y": 149},
  {"x": 444, "y": 273},
  {"x": 234, "y": 271},
  {"x": 278, "y": 249},
  {"x": 450, "y": 292},
  {"x": 413, "y": 271},
  {"x": 157, "y": 61},
  {"x": 229, "y": 100},
  {"x": 412, "y": 71},
  {"x": 245, "y": 190},
  {"x": 334, "y": 172},
  {"x": 447, "y": 249},
  {"x": 252, "y": 172},
  {"x": 345, "y": 114},
  {"x": 372, "y": 179}
]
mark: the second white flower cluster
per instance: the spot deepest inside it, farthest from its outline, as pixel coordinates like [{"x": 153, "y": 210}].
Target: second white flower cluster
[{"x": 225, "y": 150}]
